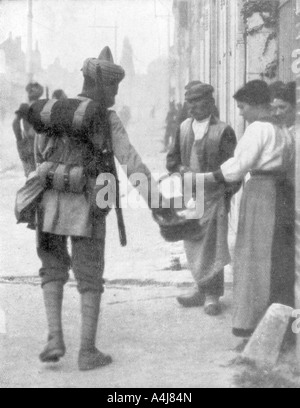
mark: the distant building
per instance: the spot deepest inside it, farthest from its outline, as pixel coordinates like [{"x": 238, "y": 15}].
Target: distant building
[
  {"x": 127, "y": 59},
  {"x": 13, "y": 76},
  {"x": 14, "y": 56},
  {"x": 56, "y": 76},
  {"x": 36, "y": 60}
]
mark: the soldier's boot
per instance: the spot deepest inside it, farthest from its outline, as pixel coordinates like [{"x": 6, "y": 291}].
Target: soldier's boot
[
  {"x": 89, "y": 357},
  {"x": 53, "y": 299}
]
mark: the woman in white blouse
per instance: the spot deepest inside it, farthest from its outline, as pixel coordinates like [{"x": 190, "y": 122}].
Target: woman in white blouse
[{"x": 264, "y": 253}]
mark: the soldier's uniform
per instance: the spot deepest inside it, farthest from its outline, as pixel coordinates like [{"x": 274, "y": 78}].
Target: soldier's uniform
[{"x": 74, "y": 213}]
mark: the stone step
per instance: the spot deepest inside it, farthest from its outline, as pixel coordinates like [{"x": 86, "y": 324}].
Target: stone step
[{"x": 264, "y": 346}]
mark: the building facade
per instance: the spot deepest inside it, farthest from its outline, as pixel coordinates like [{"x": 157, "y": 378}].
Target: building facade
[{"x": 228, "y": 42}]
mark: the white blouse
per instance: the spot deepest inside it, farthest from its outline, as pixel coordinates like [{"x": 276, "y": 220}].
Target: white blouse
[{"x": 263, "y": 147}]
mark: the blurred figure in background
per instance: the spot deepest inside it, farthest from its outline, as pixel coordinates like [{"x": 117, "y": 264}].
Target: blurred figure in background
[
  {"x": 171, "y": 121},
  {"x": 182, "y": 115},
  {"x": 59, "y": 94},
  {"x": 24, "y": 133}
]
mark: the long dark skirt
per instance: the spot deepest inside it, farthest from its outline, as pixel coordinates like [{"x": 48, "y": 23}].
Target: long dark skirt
[{"x": 264, "y": 270}]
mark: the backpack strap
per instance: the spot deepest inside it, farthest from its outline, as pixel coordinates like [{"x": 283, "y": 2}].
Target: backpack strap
[
  {"x": 46, "y": 112},
  {"x": 79, "y": 114},
  {"x": 67, "y": 177}
]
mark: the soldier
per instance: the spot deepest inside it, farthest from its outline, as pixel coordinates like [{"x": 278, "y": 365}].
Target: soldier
[
  {"x": 23, "y": 131},
  {"x": 67, "y": 214},
  {"x": 204, "y": 142}
]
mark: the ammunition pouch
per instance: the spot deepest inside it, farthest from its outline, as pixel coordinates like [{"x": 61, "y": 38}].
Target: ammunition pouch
[{"x": 65, "y": 178}]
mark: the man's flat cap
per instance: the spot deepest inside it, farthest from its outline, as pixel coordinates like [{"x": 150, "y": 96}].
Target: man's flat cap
[
  {"x": 192, "y": 83},
  {"x": 198, "y": 92}
]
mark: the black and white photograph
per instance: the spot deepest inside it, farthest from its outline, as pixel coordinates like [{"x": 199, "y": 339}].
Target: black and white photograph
[{"x": 150, "y": 196}]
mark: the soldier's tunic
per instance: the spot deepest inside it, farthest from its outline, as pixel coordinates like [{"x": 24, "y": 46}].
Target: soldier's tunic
[
  {"x": 63, "y": 214},
  {"x": 207, "y": 255}
]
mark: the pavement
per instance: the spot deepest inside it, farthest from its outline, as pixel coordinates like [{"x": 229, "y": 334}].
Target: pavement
[{"x": 154, "y": 342}]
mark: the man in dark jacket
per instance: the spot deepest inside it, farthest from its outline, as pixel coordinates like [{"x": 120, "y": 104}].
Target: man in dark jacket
[{"x": 202, "y": 144}]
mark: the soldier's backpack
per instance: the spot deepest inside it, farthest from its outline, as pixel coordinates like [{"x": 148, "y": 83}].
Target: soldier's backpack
[
  {"x": 75, "y": 120},
  {"x": 73, "y": 117},
  {"x": 79, "y": 121}
]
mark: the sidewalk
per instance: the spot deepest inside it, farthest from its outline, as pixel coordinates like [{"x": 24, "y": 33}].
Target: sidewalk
[{"x": 154, "y": 342}]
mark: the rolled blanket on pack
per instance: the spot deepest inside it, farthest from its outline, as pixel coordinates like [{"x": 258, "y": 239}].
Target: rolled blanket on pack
[
  {"x": 72, "y": 117},
  {"x": 62, "y": 177}
]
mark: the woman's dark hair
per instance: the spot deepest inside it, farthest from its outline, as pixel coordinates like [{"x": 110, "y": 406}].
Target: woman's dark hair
[
  {"x": 276, "y": 88},
  {"x": 254, "y": 93},
  {"x": 291, "y": 89},
  {"x": 286, "y": 92}
]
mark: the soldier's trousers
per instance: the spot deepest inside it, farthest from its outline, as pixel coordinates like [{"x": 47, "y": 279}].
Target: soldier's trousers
[{"x": 86, "y": 261}]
